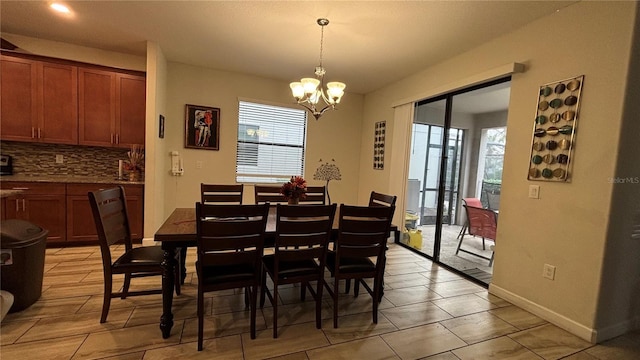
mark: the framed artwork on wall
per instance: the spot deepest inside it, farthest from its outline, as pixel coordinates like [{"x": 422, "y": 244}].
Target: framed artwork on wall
[
  {"x": 378, "y": 145},
  {"x": 202, "y": 127},
  {"x": 554, "y": 130}
]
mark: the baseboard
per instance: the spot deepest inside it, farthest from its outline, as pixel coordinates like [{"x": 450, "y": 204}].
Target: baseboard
[
  {"x": 150, "y": 242},
  {"x": 577, "y": 329}
]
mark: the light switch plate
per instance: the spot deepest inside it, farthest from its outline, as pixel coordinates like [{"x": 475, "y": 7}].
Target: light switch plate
[
  {"x": 59, "y": 159},
  {"x": 534, "y": 191}
]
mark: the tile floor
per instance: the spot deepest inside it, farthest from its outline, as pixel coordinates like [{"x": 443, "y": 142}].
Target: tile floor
[{"x": 427, "y": 313}]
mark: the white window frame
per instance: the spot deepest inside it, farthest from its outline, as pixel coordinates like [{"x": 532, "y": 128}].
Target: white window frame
[{"x": 279, "y": 142}]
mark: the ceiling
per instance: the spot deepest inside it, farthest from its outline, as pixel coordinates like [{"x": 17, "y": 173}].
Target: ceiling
[{"x": 367, "y": 45}]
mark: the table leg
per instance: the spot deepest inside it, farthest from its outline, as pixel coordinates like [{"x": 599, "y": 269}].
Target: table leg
[{"x": 168, "y": 284}]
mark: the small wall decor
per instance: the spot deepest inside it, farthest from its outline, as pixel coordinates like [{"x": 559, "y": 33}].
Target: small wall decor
[
  {"x": 161, "y": 127},
  {"x": 202, "y": 127},
  {"x": 327, "y": 172},
  {"x": 378, "y": 145},
  {"x": 554, "y": 130}
]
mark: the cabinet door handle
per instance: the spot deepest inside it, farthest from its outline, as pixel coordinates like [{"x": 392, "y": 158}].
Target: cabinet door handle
[
  {"x": 33, "y": 132},
  {"x": 39, "y": 133},
  {"x": 17, "y": 208},
  {"x": 24, "y": 205},
  {"x": 20, "y": 188},
  {"x": 117, "y": 138},
  {"x": 112, "y": 138}
]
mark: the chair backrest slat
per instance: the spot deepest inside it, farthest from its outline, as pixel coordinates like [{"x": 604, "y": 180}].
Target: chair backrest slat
[
  {"x": 268, "y": 194},
  {"x": 315, "y": 195},
  {"x": 219, "y": 193}
]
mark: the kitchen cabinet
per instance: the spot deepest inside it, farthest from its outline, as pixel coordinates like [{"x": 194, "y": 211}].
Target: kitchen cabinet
[
  {"x": 80, "y": 225},
  {"x": 40, "y": 203},
  {"x": 39, "y": 101},
  {"x": 111, "y": 108}
]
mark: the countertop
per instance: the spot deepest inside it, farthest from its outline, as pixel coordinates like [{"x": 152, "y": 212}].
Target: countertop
[
  {"x": 68, "y": 179},
  {"x": 6, "y": 192}
]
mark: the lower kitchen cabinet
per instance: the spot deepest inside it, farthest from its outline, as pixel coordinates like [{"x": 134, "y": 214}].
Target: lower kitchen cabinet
[
  {"x": 80, "y": 225},
  {"x": 64, "y": 210},
  {"x": 42, "y": 204}
]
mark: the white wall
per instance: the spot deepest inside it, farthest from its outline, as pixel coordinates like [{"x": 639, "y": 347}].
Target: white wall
[{"x": 567, "y": 226}]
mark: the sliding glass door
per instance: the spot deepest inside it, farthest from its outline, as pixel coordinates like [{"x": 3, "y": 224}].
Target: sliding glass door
[{"x": 456, "y": 152}]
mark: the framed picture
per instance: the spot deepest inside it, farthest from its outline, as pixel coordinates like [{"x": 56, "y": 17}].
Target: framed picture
[
  {"x": 202, "y": 127},
  {"x": 161, "y": 127}
]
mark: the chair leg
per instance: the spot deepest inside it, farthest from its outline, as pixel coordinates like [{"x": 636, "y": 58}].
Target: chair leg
[
  {"x": 483, "y": 246},
  {"x": 275, "y": 310},
  {"x": 462, "y": 231},
  {"x": 459, "y": 243},
  {"x": 347, "y": 286},
  {"x": 125, "y": 286},
  {"x": 254, "y": 301},
  {"x": 106, "y": 303},
  {"x": 375, "y": 296},
  {"x": 356, "y": 287},
  {"x": 336, "y": 294},
  {"x": 200, "y": 317},
  {"x": 247, "y": 293},
  {"x": 303, "y": 291},
  {"x": 319, "y": 303},
  {"x": 263, "y": 289},
  {"x": 491, "y": 261}
]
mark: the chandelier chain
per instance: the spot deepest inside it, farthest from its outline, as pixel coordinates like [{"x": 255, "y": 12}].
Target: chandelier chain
[{"x": 321, "y": 42}]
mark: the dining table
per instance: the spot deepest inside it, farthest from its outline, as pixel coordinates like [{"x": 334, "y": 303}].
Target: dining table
[{"x": 178, "y": 231}]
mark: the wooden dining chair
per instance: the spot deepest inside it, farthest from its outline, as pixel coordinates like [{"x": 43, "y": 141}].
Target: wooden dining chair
[
  {"x": 214, "y": 194},
  {"x": 221, "y": 193},
  {"x": 109, "y": 209},
  {"x": 359, "y": 251},
  {"x": 483, "y": 223},
  {"x": 230, "y": 248},
  {"x": 302, "y": 237},
  {"x": 380, "y": 199},
  {"x": 268, "y": 194},
  {"x": 375, "y": 199}
]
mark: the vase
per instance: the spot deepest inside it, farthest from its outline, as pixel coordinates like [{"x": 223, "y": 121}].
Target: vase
[
  {"x": 134, "y": 176},
  {"x": 293, "y": 201}
]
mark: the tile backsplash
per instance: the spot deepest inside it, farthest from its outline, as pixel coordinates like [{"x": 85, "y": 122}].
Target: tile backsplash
[{"x": 34, "y": 159}]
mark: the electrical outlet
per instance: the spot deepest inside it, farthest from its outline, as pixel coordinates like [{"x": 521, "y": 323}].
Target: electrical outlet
[
  {"x": 59, "y": 159},
  {"x": 534, "y": 191},
  {"x": 549, "y": 271},
  {"x": 199, "y": 164}
]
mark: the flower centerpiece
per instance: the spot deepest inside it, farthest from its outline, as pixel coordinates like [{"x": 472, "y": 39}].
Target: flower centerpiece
[
  {"x": 135, "y": 162},
  {"x": 294, "y": 189}
]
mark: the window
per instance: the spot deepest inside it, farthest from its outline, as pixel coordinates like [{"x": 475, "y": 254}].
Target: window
[{"x": 271, "y": 143}]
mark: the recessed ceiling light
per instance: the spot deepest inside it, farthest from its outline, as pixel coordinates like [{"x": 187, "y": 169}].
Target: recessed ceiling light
[{"x": 60, "y": 8}]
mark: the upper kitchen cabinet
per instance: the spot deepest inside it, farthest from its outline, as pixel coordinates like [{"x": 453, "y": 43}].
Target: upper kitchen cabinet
[
  {"x": 111, "y": 108},
  {"x": 39, "y": 101}
]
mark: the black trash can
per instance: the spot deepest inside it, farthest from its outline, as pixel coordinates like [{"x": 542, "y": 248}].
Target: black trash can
[{"x": 23, "y": 246}]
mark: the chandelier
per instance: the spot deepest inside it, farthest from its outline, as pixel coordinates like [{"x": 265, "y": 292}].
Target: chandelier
[{"x": 309, "y": 91}]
